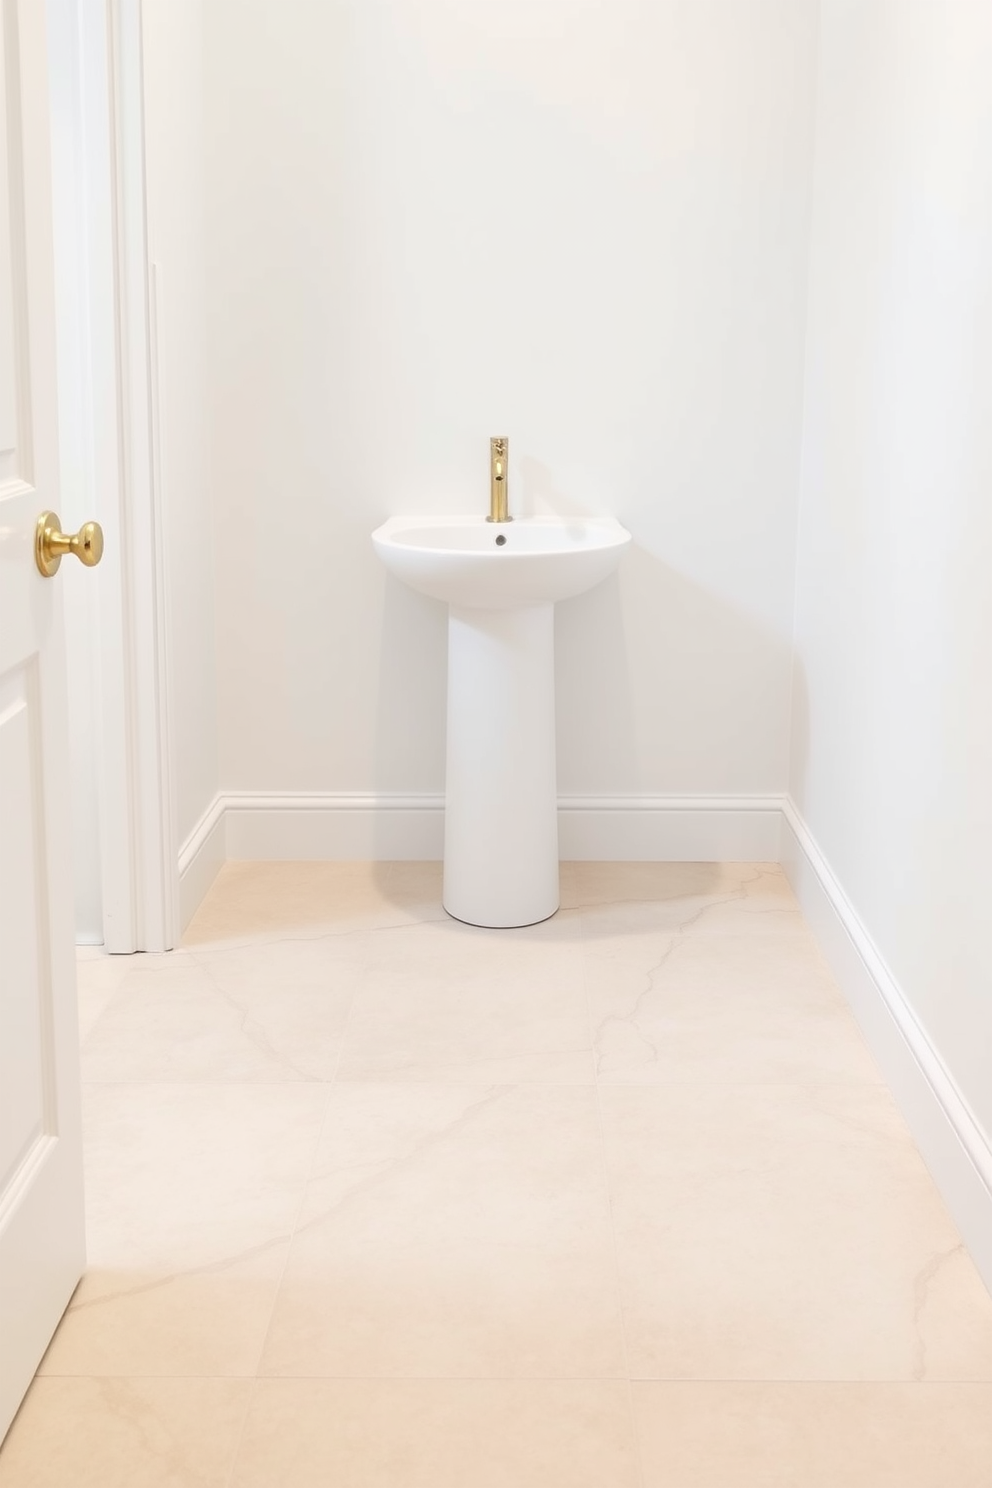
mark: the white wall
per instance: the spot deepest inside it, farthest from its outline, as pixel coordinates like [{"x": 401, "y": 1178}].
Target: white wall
[
  {"x": 582, "y": 225},
  {"x": 174, "y": 125},
  {"x": 892, "y": 723}
]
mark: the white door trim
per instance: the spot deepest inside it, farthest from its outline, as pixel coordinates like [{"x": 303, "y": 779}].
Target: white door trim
[{"x": 139, "y": 859}]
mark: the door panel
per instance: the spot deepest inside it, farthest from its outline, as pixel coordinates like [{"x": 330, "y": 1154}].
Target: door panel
[
  {"x": 14, "y": 374},
  {"x": 41, "y": 1213},
  {"x": 27, "y": 1118}
]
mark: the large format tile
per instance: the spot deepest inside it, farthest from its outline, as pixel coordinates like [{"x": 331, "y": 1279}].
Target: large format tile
[
  {"x": 182, "y": 1024},
  {"x": 729, "y": 1009},
  {"x": 169, "y": 1319},
  {"x": 619, "y": 899},
  {"x": 438, "y": 1434},
  {"x": 814, "y": 1435},
  {"x": 425, "y": 1282},
  {"x": 111, "y": 1433},
  {"x": 292, "y": 998},
  {"x": 192, "y": 1195},
  {"x": 452, "y": 1231},
  {"x": 252, "y": 902},
  {"x": 98, "y": 979},
  {"x": 786, "y": 1233},
  {"x": 456, "y": 1003}
]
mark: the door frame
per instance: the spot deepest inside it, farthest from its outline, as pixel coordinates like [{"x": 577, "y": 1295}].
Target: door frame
[{"x": 118, "y": 351}]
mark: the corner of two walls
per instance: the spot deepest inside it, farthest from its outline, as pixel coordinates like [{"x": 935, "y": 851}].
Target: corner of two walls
[
  {"x": 172, "y": 38},
  {"x": 428, "y": 224}
]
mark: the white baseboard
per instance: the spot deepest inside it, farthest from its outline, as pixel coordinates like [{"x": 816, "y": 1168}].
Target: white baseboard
[
  {"x": 669, "y": 829},
  {"x": 952, "y": 1144},
  {"x": 338, "y": 827},
  {"x": 343, "y": 827},
  {"x": 201, "y": 858}
]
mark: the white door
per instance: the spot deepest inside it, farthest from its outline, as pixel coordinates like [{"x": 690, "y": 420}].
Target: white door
[{"x": 41, "y": 1202}]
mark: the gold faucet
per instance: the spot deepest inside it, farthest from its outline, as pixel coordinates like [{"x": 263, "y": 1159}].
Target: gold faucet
[{"x": 499, "y": 451}]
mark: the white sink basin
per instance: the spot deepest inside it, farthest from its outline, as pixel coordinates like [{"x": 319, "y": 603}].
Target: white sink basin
[
  {"x": 475, "y": 564},
  {"x": 501, "y": 581}
]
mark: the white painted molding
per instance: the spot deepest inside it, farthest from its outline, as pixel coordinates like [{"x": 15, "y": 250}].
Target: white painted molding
[
  {"x": 143, "y": 912},
  {"x": 345, "y": 826},
  {"x": 377, "y": 825},
  {"x": 952, "y": 1143},
  {"x": 201, "y": 858},
  {"x": 669, "y": 829}
]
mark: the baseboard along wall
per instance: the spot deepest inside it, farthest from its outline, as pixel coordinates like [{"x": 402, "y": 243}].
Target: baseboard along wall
[
  {"x": 953, "y": 1145},
  {"x": 764, "y": 829}
]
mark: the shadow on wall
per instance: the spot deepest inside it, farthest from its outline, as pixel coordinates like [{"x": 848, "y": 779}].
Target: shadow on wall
[
  {"x": 665, "y": 688},
  {"x": 410, "y": 721}
]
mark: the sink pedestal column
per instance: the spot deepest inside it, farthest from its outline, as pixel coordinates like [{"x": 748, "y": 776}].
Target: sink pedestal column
[{"x": 501, "y": 804}]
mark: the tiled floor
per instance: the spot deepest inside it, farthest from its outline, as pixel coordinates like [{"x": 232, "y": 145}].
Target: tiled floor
[{"x": 377, "y": 1200}]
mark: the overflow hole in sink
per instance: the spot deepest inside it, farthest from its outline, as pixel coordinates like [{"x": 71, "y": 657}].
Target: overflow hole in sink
[{"x": 500, "y": 540}]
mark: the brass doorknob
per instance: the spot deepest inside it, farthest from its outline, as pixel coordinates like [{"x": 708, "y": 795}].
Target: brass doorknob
[{"x": 50, "y": 543}]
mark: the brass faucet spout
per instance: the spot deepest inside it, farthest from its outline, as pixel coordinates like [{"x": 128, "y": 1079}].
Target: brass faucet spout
[{"x": 498, "y": 480}]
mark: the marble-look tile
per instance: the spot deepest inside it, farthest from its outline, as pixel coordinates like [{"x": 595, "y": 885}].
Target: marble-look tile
[
  {"x": 293, "y": 997},
  {"x": 192, "y": 1195},
  {"x": 252, "y": 902},
  {"x": 99, "y": 977},
  {"x": 839, "y": 1435},
  {"x": 416, "y": 886},
  {"x": 456, "y": 1003},
  {"x": 691, "y": 898},
  {"x": 595, "y": 883},
  {"x": 183, "y": 1023},
  {"x": 200, "y": 1173},
  {"x": 728, "y": 1009},
  {"x": 786, "y": 1233},
  {"x": 111, "y": 1433},
  {"x": 438, "y": 1434},
  {"x": 167, "y": 1319},
  {"x": 434, "y": 1239},
  {"x": 452, "y": 1231}
]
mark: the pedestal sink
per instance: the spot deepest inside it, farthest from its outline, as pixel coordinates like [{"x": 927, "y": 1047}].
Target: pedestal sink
[{"x": 500, "y": 581}]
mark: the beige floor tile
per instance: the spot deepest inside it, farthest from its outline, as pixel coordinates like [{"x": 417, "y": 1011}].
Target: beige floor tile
[
  {"x": 752, "y": 899},
  {"x": 98, "y": 980},
  {"x": 815, "y": 1435},
  {"x": 161, "y": 1321},
  {"x": 596, "y": 883},
  {"x": 727, "y": 1009},
  {"x": 252, "y": 902},
  {"x": 420, "y": 1260},
  {"x": 437, "y": 1434},
  {"x": 786, "y": 1233},
  {"x": 453, "y": 1002},
  {"x": 192, "y": 1195},
  {"x": 164, "y": 1433},
  {"x": 293, "y": 997},
  {"x": 451, "y": 1231},
  {"x": 675, "y": 894},
  {"x": 182, "y": 1024},
  {"x": 416, "y": 886}
]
